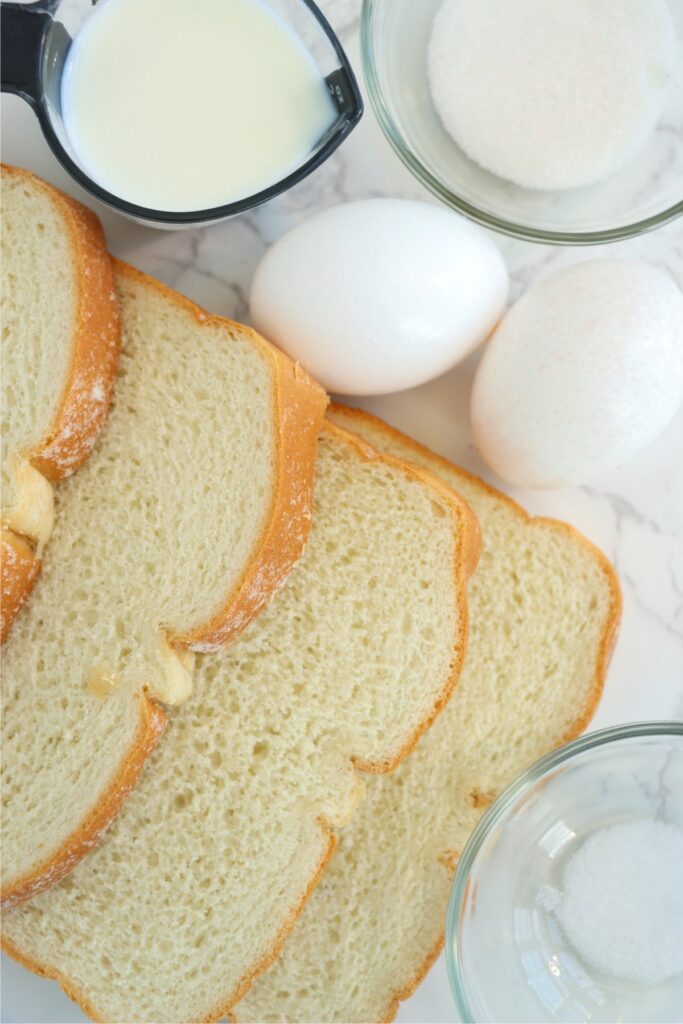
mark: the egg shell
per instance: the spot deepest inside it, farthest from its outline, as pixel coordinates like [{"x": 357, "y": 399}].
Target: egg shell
[
  {"x": 583, "y": 371},
  {"x": 379, "y": 295}
]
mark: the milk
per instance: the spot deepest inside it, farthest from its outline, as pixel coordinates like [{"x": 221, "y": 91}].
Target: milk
[{"x": 185, "y": 105}]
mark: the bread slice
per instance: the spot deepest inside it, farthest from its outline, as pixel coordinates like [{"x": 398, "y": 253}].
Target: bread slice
[
  {"x": 187, "y": 517},
  {"x": 544, "y": 608},
  {"x": 60, "y": 345},
  {"x": 19, "y": 569},
  {"x": 230, "y": 826}
]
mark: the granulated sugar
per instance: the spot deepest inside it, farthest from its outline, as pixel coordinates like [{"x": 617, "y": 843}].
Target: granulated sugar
[
  {"x": 551, "y": 94},
  {"x": 621, "y": 904}
]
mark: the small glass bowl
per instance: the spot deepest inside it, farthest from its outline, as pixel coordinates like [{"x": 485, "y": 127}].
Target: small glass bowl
[
  {"x": 507, "y": 958},
  {"x": 643, "y": 195}
]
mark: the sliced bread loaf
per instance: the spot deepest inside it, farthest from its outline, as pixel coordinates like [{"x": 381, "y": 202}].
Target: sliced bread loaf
[
  {"x": 60, "y": 344},
  {"x": 187, "y": 517},
  {"x": 204, "y": 871},
  {"x": 544, "y": 607}
]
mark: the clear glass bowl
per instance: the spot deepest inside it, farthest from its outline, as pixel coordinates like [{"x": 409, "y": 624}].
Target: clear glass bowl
[
  {"x": 645, "y": 194},
  {"x": 508, "y": 959}
]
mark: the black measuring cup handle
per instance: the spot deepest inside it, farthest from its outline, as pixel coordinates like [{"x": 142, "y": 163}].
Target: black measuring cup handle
[
  {"x": 22, "y": 31},
  {"x": 34, "y": 51}
]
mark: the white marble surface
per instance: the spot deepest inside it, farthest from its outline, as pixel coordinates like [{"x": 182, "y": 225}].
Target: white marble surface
[{"x": 635, "y": 514}]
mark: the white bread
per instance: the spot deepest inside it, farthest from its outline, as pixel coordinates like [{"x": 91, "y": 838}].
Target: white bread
[
  {"x": 544, "y": 608},
  {"x": 204, "y": 871},
  {"x": 60, "y": 345},
  {"x": 189, "y": 514}
]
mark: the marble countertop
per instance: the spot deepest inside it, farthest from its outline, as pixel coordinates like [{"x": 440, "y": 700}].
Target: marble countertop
[{"x": 635, "y": 514}]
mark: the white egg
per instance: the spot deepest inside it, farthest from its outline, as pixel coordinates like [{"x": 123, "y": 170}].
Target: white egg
[
  {"x": 582, "y": 372},
  {"x": 379, "y": 295}
]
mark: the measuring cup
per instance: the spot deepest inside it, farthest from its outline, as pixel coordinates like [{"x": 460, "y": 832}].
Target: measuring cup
[{"x": 36, "y": 38}]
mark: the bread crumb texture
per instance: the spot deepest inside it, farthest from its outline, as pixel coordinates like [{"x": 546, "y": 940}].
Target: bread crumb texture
[
  {"x": 60, "y": 344},
  {"x": 203, "y": 872},
  {"x": 544, "y": 606},
  {"x": 152, "y": 539}
]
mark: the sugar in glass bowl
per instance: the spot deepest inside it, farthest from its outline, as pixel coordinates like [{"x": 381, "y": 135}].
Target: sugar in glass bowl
[
  {"x": 536, "y": 927},
  {"x": 646, "y": 193}
]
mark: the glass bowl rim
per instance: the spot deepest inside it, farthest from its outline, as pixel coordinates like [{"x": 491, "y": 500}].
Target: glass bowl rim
[
  {"x": 488, "y": 220},
  {"x": 491, "y": 818}
]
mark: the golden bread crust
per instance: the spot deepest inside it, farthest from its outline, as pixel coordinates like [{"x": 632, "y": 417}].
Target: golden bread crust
[
  {"x": 19, "y": 569},
  {"x": 151, "y": 725},
  {"x": 300, "y": 405},
  {"x": 88, "y": 388},
  {"x": 586, "y": 712},
  {"x": 467, "y": 549}
]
